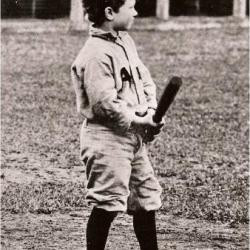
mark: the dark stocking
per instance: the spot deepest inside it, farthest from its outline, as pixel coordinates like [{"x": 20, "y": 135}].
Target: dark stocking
[
  {"x": 145, "y": 229},
  {"x": 98, "y": 228}
]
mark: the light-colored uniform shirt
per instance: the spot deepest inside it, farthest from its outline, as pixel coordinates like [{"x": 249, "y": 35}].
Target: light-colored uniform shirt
[{"x": 97, "y": 73}]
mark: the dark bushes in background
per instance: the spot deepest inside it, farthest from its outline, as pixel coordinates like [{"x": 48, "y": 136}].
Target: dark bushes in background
[
  {"x": 145, "y": 8},
  {"x": 35, "y": 8},
  {"x": 201, "y": 7},
  {"x": 9, "y": 8},
  {"x": 217, "y": 7},
  {"x": 59, "y": 8}
]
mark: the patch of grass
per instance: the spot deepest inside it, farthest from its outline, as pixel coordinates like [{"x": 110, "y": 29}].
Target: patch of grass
[
  {"x": 46, "y": 197},
  {"x": 208, "y": 194},
  {"x": 205, "y": 194}
]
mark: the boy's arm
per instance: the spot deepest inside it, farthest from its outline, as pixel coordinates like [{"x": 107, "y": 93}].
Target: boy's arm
[
  {"x": 149, "y": 86},
  {"x": 144, "y": 74}
]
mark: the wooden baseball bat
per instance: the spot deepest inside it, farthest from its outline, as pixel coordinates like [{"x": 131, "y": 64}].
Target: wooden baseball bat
[{"x": 167, "y": 98}]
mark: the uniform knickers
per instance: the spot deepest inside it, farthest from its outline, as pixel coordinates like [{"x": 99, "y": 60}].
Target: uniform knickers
[{"x": 120, "y": 176}]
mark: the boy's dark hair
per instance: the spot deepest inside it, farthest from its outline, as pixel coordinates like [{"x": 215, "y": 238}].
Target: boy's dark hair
[{"x": 95, "y": 9}]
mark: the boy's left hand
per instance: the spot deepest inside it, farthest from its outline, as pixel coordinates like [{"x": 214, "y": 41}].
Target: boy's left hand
[{"x": 150, "y": 132}]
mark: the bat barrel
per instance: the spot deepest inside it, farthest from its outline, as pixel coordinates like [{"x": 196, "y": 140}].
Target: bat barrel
[{"x": 167, "y": 98}]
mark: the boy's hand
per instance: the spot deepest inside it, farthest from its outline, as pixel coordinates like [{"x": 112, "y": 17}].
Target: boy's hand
[
  {"x": 151, "y": 129},
  {"x": 151, "y": 132}
]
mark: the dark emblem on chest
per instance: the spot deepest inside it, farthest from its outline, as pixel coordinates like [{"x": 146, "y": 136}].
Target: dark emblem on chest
[{"x": 126, "y": 80}]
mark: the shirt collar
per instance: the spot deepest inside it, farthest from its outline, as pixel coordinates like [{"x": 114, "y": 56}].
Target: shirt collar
[{"x": 107, "y": 35}]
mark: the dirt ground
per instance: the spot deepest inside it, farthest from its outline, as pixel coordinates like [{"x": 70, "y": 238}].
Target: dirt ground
[
  {"x": 67, "y": 231},
  {"x": 38, "y": 149}
]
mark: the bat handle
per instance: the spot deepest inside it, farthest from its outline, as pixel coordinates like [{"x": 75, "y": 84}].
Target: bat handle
[{"x": 156, "y": 119}]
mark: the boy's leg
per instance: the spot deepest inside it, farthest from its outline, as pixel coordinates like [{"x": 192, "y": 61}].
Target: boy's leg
[
  {"x": 145, "y": 229},
  {"x": 98, "y": 228},
  {"x": 107, "y": 158},
  {"x": 144, "y": 199}
]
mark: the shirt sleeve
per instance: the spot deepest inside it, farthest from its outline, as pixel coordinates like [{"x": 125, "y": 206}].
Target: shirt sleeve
[
  {"x": 77, "y": 80},
  {"x": 102, "y": 93},
  {"x": 148, "y": 83},
  {"x": 148, "y": 86}
]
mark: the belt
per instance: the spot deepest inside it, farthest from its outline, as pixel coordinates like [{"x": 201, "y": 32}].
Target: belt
[
  {"x": 107, "y": 124},
  {"x": 98, "y": 123}
]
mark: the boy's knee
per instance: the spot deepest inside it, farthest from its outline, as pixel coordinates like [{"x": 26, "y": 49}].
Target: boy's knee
[
  {"x": 104, "y": 214},
  {"x": 111, "y": 215}
]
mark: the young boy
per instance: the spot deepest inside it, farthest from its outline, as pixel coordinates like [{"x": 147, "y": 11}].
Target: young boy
[{"x": 116, "y": 96}]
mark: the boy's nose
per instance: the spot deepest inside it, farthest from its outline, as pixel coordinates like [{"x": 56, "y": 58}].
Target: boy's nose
[{"x": 135, "y": 13}]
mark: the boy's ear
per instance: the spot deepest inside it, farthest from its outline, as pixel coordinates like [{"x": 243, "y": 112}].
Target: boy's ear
[{"x": 109, "y": 13}]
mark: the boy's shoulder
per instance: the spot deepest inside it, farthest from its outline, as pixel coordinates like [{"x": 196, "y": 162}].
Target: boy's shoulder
[
  {"x": 93, "y": 48},
  {"x": 106, "y": 43},
  {"x": 98, "y": 48}
]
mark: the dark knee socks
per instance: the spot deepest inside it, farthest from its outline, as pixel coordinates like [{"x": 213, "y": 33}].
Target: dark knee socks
[
  {"x": 100, "y": 221},
  {"x": 145, "y": 229},
  {"x": 98, "y": 228}
]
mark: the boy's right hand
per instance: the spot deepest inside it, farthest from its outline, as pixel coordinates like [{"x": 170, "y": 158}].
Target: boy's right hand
[{"x": 146, "y": 120}]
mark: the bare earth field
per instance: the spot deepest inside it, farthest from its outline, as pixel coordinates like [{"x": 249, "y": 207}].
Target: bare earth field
[{"x": 201, "y": 157}]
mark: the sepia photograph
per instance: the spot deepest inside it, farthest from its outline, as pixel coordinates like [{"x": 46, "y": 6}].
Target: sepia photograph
[{"x": 125, "y": 124}]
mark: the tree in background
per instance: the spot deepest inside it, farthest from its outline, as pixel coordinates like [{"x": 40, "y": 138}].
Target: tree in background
[
  {"x": 77, "y": 21},
  {"x": 240, "y": 8}
]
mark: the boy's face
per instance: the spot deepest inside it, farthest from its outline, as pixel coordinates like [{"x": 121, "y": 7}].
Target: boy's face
[{"x": 124, "y": 18}]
